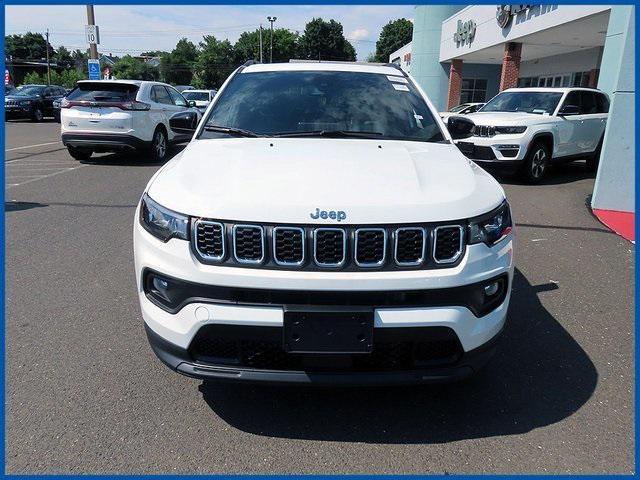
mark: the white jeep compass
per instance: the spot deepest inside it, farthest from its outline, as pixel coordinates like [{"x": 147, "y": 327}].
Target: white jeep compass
[{"x": 321, "y": 227}]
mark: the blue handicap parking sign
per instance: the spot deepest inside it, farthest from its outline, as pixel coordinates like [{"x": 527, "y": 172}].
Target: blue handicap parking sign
[{"x": 94, "y": 69}]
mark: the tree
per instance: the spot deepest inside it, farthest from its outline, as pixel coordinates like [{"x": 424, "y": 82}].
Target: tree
[
  {"x": 153, "y": 53},
  {"x": 66, "y": 78},
  {"x": 80, "y": 60},
  {"x": 248, "y": 45},
  {"x": 215, "y": 62},
  {"x": 177, "y": 67},
  {"x": 30, "y": 46},
  {"x": 325, "y": 41},
  {"x": 394, "y": 35},
  {"x": 63, "y": 57},
  {"x": 134, "y": 69}
]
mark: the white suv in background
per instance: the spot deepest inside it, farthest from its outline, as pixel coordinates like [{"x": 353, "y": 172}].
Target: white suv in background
[
  {"x": 321, "y": 227},
  {"x": 527, "y": 129},
  {"x": 120, "y": 115}
]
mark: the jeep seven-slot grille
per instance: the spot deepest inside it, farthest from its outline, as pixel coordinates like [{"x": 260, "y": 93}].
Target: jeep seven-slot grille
[
  {"x": 349, "y": 248},
  {"x": 447, "y": 244},
  {"x": 370, "y": 247}
]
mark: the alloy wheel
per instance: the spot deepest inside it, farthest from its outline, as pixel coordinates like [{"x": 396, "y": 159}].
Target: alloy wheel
[
  {"x": 160, "y": 145},
  {"x": 538, "y": 163}
]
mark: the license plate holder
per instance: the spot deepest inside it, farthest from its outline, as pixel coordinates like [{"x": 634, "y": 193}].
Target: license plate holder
[{"x": 327, "y": 330}]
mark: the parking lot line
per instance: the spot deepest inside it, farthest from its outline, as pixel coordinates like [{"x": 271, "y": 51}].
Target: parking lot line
[
  {"x": 32, "y": 146},
  {"x": 40, "y": 177}
]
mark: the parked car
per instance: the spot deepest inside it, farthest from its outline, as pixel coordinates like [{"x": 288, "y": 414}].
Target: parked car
[
  {"x": 322, "y": 227},
  {"x": 462, "y": 109},
  {"x": 121, "y": 115},
  {"x": 34, "y": 102},
  {"x": 202, "y": 98},
  {"x": 182, "y": 88},
  {"x": 8, "y": 89},
  {"x": 528, "y": 129},
  {"x": 56, "y": 109}
]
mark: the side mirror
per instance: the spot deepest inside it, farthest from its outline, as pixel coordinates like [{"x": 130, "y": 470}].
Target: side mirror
[
  {"x": 459, "y": 127},
  {"x": 569, "y": 110},
  {"x": 184, "y": 122},
  {"x": 192, "y": 103}
]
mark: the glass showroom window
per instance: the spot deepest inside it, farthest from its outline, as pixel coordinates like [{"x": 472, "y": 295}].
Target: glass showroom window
[{"x": 473, "y": 90}]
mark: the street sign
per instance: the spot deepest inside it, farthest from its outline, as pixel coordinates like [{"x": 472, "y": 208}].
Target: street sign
[
  {"x": 94, "y": 69},
  {"x": 92, "y": 33}
]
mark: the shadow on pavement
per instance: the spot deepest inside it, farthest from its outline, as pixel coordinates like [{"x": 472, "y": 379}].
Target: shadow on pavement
[
  {"x": 15, "y": 206},
  {"x": 557, "y": 175},
  {"x": 131, "y": 159},
  {"x": 539, "y": 376}
]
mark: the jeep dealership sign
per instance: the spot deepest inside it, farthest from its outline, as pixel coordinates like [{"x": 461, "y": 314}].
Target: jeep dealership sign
[{"x": 465, "y": 33}]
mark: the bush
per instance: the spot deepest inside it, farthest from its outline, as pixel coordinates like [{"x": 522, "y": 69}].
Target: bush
[{"x": 66, "y": 78}]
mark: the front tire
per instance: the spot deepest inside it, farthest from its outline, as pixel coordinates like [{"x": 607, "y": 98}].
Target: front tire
[
  {"x": 37, "y": 115},
  {"x": 159, "y": 146},
  {"x": 79, "y": 154},
  {"x": 536, "y": 163}
]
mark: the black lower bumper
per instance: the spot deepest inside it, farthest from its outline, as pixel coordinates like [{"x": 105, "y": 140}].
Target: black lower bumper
[
  {"x": 507, "y": 166},
  {"x": 102, "y": 142},
  {"x": 182, "y": 361}
]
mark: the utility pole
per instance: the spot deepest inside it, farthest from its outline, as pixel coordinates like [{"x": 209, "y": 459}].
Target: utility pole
[
  {"x": 48, "y": 62},
  {"x": 91, "y": 20},
  {"x": 260, "y": 43},
  {"x": 271, "y": 20}
]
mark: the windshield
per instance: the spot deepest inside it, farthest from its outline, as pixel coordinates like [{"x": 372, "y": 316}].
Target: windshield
[
  {"x": 529, "y": 102},
  {"x": 300, "y": 102},
  {"x": 199, "y": 96},
  {"x": 458, "y": 108},
  {"x": 29, "y": 91}
]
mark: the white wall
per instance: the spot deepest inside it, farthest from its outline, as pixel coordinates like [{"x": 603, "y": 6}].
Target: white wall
[
  {"x": 488, "y": 33},
  {"x": 404, "y": 53},
  {"x": 581, "y": 61}
]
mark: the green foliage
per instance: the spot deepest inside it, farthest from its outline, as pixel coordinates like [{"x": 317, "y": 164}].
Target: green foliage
[
  {"x": 153, "y": 53},
  {"x": 215, "y": 62},
  {"x": 63, "y": 58},
  {"x": 177, "y": 67},
  {"x": 248, "y": 45},
  {"x": 80, "y": 60},
  {"x": 65, "y": 78},
  {"x": 394, "y": 35},
  {"x": 31, "y": 46},
  {"x": 325, "y": 41},
  {"x": 133, "y": 69}
]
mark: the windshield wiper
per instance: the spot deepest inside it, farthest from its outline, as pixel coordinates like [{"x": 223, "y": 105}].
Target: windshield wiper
[
  {"x": 230, "y": 130},
  {"x": 328, "y": 133}
]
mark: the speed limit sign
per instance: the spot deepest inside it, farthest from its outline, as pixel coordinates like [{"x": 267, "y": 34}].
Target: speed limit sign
[{"x": 92, "y": 33}]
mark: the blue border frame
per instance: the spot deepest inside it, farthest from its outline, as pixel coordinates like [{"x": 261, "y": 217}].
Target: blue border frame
[{"x": 297, "y": 2}]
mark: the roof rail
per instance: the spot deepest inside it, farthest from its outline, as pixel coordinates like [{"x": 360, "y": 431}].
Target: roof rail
[{"x": 247, "y": 64}]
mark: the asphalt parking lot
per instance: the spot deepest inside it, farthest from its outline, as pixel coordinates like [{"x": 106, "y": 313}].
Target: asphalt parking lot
[{"x": 85, "y": 393}]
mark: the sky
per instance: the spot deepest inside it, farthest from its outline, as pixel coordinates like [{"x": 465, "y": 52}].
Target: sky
[{"x": 137, "y": 28}]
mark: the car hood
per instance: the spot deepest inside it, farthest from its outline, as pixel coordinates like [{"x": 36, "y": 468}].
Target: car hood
[
  {"x": 506, "y": 118},
  {"x": 284, "y": 180},
  {"x": 21, "y": 97}
]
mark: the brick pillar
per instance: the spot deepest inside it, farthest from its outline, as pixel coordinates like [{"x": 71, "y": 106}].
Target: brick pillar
[
  {"x": 510, "y": 65},
  {"x": 594, "y": 73},
  {"x": 455, "y": 83}
]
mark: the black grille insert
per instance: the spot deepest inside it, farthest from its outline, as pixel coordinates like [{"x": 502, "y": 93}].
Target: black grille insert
[
  {"x": 288, "y": 245},
  {"x": 394, "y": 349},
  {"x": 447, "y": 244},
  {"x": 329, "y": 245},
  {"x": 371, "y": 244},
  {"x": 248, "y": 243},
  {"x": 410, "y": 246},
  {"x": 210, "y": 239}
]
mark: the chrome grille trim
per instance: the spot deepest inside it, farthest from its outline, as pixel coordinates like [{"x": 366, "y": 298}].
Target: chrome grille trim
[
  {"x": 384, "y": 247},
  {"x": 273, "y": 241},
  {"x": 434, "y": 241},
  {"x": 195, "y": 239},
  {"x": 248, "y": 261},
  {"x": 421, "y": 260},
  {"x": 344, "y": 247}
]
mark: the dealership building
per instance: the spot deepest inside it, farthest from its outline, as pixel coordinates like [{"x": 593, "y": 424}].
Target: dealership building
[{"x": 462, "y": 54}]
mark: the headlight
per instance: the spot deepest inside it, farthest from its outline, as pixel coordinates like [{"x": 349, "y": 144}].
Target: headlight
[
  {"x": 161, "y": 222},
  {"x": 509, "y": 130},
  {"x": 492, "y": 227},
  {"x": 25, "y": 102}
]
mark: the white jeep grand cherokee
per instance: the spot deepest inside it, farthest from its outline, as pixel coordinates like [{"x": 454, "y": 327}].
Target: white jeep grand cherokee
[
  {"x": 527, "y": 129},
  {"x": 321, "y": 227}
]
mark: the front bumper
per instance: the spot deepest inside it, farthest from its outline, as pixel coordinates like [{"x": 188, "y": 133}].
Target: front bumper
[
  {"x": 18, "y": 112},
  {"x": 172, "y": 333},
  {"x": 103, "y": 142},
  {"x": 505, "y": 152}
]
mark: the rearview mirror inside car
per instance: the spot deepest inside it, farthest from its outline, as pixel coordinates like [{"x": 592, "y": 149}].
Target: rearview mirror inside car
[
  {"x": 570, "y": 110},
  {"x": 459, "y": 127},
  {"x": 184, "y": 122}
]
